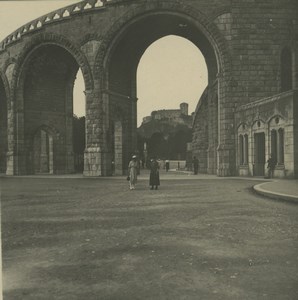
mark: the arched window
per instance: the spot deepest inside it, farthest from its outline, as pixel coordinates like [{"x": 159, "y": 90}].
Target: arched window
[
  {"x": 241, "y": 154},
  {"x": 286, "y": 70},
  {"x": 273, "y": 144},
  {"x": 280, "y": 156},
  {"x": 245, "y": 149}
]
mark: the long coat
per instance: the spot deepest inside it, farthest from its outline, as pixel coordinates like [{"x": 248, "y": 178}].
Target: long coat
[
  {"x": 132, "y": 169},
  {"x": 154, "y": 173}
]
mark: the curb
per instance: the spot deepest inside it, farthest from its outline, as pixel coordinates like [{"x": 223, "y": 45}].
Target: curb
[{"x": 274, "y": 195}]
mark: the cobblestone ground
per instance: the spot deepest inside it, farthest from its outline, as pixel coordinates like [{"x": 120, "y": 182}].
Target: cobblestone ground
[{"x": 191, "y": 239}]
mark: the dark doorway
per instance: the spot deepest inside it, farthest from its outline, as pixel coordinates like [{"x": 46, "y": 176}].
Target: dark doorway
[
  {"x": 259, "y": 154},
  {"x": 43, "y": 152}
]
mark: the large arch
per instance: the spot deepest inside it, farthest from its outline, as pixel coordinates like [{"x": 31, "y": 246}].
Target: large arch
[
  {"x": 124, "y": 44},
  {"x": 43, "y": 83}
]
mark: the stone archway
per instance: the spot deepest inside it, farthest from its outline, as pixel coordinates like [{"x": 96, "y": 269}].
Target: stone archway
[
  {"x": 43, "y": 88},
  {"x": 125, "y": 43}
]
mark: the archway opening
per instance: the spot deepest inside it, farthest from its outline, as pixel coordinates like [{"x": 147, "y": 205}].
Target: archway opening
[
  {"x": 171, "y": 71},
  {"x": 46, "y": 90},
  {"x": 126, "y": 52},
  {"x": 79, "y": 121},
  {"x": 3, "y": 128},
  {"x": 171, "y": 77}
]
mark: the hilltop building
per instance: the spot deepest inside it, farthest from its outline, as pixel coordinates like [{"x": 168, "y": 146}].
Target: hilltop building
[
  {"x": 174, "y": 116},
  {"x": 166, "y": 132}
]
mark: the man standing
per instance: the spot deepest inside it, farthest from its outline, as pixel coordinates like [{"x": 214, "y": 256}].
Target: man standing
[
  {"x": 167, "y": 165},
  {"x": 195, "y": 162},
  {"x": 271, "y": 166}
]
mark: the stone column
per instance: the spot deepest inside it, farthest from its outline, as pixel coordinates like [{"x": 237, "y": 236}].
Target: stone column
[
  {"x": 134, "y": 124},
  {"x": 10, "y": 156},
  {"x": 16, "y": 157},
  {"x": 19, "y": 146},
  {"x": 212, "y": 130},
  {"x": 106, "y": 154},
  {"x": 69, "y": 159},
  {"x": 118, "y": 142},
  {"x": 226, "y": 163},
  {"x": 93, "y": 151},
  {"x": 44, "y": 158}
]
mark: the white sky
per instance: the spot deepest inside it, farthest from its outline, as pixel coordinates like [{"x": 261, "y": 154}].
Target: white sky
[{"x": 171, "y": 71}]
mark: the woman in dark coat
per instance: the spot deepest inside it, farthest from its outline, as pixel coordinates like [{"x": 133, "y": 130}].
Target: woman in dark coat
[{"x": 154, "y": 174}]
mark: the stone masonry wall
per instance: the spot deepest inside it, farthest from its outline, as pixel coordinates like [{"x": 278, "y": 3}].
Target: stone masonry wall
[
  {"x": 260, "y": 30},
  {"x": 200, "y": 134}
]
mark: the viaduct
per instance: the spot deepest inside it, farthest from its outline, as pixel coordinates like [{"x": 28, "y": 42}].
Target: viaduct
[{"x": 251, "y": 51}]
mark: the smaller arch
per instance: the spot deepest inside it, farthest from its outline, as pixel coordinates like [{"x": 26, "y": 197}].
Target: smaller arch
[
  {"x": 49, "y": 129},
  {"x": 258, "y": 124},
  {"x": 277, "y": 138},
  {"x": 242, "y": 127},
  {"x": 243, "y": 148},
  {"x": 272, "y": 120},
  {"x": 43, "y": 144},
  {"x": 47, "y": 72}
]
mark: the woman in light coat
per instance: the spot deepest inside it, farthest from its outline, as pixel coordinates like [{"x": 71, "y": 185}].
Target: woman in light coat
[{"x": 132, "y": 172}]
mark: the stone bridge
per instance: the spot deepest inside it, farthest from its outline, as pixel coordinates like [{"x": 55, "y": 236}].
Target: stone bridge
[{"x": 241, "y": 41}]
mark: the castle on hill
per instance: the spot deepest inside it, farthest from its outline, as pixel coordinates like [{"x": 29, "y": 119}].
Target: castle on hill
[
  {"x": 166, "y": 133},
  {"x": 172, "y": 116}
]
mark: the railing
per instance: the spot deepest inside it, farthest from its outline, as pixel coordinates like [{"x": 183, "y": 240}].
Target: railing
[{"x": 54, "y": 16}]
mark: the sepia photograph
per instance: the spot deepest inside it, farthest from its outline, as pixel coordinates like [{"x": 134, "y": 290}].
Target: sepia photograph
[{"x": 149, "y": 149}]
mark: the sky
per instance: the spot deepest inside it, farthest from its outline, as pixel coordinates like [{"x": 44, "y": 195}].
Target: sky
[{"x": 171, "y": 71}]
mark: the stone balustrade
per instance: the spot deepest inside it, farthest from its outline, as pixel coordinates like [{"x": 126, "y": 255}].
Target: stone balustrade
[{"x": 54, "y": 16}]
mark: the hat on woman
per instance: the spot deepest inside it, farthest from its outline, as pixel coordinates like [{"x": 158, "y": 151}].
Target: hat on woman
[{"x": 134, "y": 156}]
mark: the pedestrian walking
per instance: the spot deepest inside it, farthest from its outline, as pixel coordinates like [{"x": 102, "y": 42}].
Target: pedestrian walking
[
  {"x": 195, "y": 162},
  {"x": 271, "y": 166},
  {"x": 154, "y": 181},
  {"x": 132, "y": 172}
]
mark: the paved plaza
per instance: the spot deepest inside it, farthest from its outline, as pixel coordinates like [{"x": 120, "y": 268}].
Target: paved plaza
[{"x": 197, "y": 237}]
